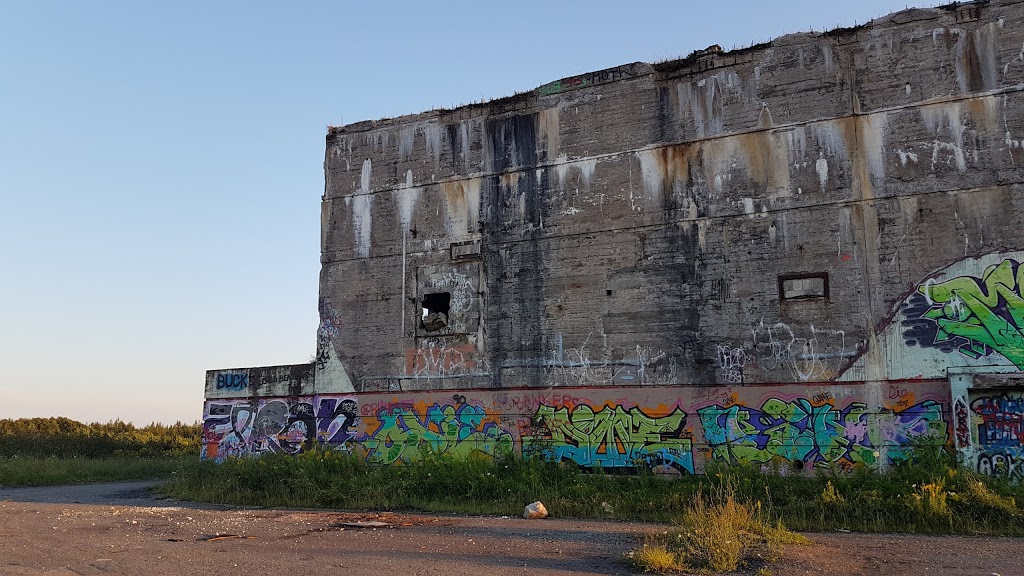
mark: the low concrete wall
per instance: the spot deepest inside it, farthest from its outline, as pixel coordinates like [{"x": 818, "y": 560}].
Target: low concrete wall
[
  {"x": 263, "y": 381},
  {"x": 670, "y": 429}
]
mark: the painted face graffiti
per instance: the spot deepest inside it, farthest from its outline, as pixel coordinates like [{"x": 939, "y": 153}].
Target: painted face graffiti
[{"x": 974, "y": 316}]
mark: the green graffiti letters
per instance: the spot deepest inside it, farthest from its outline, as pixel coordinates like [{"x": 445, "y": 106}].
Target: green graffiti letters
[
  {"x": 446, "y": 429},
  {"x": 986, "y": 313},
  {"x": 821, "y": 436},
  {"x": 611, "y": 437}
]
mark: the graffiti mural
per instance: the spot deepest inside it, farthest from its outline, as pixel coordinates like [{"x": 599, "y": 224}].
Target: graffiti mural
[
  {"x": 459, "y": 429},
  {"x": 336, "y": 419},
  {"x": 999, "y": 424},
  {"x": 238, "y": 428},
  {"x": 805, "y": 434},
  {"x": 612, "y": 437},
  {"x": 667, "y": 429},
  {"x": 972, "y": 316}
]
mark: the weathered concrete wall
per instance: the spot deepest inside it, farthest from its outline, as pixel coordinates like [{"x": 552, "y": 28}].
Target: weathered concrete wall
[
  {"x": 672, "y": 429},
  {"x": 635, "y": 226},
  {"x": 294, "y": 380},
  {"x": 833, "y": 214}
]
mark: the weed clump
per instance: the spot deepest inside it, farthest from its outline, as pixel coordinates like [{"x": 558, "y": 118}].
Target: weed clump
[
  {"x": 657, "y": 558},
  {"x": 717, "y": 532}
]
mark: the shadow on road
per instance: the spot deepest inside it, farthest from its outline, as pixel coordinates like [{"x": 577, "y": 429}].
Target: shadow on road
[{"x": 104, "y": 494}]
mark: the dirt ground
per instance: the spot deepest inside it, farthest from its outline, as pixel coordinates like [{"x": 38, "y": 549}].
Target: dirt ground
[{"x": 122, "y": 529}]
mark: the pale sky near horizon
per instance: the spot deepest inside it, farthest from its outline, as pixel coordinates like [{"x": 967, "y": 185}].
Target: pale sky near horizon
[{"x": 161, "y": 164}]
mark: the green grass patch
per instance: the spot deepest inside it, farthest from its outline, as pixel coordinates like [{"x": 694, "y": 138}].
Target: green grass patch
[
  {"x": 31, "y": 471},
  {"x": 925, "y": 494},
  {"x": 52, "y": 451}
]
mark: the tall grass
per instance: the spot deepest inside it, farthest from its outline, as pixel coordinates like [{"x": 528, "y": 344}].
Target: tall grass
[
  {"x": 915, "y": 496},
  {"x": 31, "y": 471},
  {"x": 48, "y": 451}
]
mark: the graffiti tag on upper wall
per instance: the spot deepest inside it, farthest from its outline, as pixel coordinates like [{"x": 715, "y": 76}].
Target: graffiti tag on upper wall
[
  {"x": 232, "y": 381},
  {"x": 972, "y": 316}
]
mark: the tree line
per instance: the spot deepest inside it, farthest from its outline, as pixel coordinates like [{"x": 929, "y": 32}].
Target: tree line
[{"x": 67, "y": 438}]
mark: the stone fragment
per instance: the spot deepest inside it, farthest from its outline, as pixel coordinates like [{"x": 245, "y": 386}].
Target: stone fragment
[{"x": 535, "y": 511}]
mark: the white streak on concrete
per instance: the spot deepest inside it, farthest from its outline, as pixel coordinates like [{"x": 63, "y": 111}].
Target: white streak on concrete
[
  {"x": 586, "y": 168},
  {"x": 650, "y": 171},
  {"x": 406, "y": 141},
  {"x": 362, "y": 208},
  {"x": 432, "y": 134},
  {"x": 906, "y": 157},
  {"x": 821, "y": 167},
  {"x": 408, "y": 198},
  {"x": 748, "y": 206},
  {"x": 562, "y": 169}
]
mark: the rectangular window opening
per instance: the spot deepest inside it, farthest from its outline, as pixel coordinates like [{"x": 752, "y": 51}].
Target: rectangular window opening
[
  {"x": 803, "y": 286},
  {"x": 435, "y": 310}
]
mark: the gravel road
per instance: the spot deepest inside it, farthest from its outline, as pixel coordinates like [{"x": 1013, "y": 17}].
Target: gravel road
[{"x": 121, "y": 528}]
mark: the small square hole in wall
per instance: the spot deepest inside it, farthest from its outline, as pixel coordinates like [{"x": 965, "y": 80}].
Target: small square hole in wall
[
  {"x": 803, "y": 286},
  {"x": 435, "y": 310}
]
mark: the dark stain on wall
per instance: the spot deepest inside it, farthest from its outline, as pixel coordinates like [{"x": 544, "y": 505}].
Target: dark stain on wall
[{"x": 513, "y": 208}]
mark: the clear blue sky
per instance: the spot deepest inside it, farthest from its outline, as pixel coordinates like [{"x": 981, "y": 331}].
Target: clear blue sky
[{"x": 161, "y": 163}]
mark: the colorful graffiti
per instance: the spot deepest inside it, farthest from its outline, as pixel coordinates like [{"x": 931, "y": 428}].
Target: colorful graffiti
[
  {"x": 1000, "y": 427},
  {"x": 459, "y": 429},
  {"x": 970, "y": 315},
  {"x": 245, "y": 428},
  {"x": 963, "y": 426},
  {"x": 612, "y": 437},
  {"x": 336, "y": 419},
  {"x": 668, "y": 429},
  {"x": 804, "y": 434}
]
